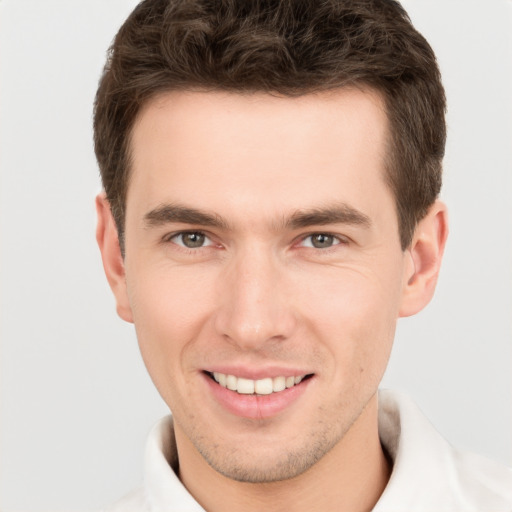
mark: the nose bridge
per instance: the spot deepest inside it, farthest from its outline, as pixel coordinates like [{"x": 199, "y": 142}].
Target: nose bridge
[{"x": 253, "y": 307}]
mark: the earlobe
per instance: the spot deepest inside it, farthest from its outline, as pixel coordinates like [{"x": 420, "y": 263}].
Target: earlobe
[
  {"x": 113, "y": 264},
  {"x": 425, "y": 256}
]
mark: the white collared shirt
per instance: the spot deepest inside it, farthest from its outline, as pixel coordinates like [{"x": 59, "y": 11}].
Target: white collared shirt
[{"x": 429, "y": 475}]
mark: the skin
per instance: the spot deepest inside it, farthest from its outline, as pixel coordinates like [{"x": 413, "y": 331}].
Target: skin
[{"x": 259, "y": 296}]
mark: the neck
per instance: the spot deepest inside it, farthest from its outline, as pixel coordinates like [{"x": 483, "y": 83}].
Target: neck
[{"x": 352, "y": 476}]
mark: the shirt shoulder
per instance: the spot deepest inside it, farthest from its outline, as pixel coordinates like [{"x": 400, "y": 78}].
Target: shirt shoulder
[
  {"x": 430, "y": 474},
  {"x": 483, "y": 479}
]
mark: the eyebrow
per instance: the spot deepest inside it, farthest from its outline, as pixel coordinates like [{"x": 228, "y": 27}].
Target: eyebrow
[
  {"x": 333, "y": 214},
  {"x": 336, "y": 214},
  {"x": 169, "y": 213}
]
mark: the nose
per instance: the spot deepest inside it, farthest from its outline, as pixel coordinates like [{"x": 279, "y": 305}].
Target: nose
[{"x": 255, "y": 308}]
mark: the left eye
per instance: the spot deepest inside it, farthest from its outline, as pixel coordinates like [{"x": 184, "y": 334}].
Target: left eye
[
  {"x": 191, "y": 239},
  {"x": 320, "y": 241}
]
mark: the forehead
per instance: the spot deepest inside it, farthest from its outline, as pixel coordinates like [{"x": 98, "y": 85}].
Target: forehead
[
  {"x": 245, "y": 115},
  {"x": 257, "y": 150}
]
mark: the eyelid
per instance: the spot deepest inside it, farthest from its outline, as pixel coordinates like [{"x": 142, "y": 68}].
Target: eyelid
[
  {"x": 171, "y": 237},
  {"x": 340, "y": 239}
]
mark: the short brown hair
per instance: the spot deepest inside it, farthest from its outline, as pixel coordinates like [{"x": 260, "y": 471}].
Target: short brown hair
[{"x": 288, "y": 47}]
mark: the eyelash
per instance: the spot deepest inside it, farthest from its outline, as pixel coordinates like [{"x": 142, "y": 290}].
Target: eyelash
[
  {"x": 172, "y": 236},
  {"x": 340, "y": 240}
]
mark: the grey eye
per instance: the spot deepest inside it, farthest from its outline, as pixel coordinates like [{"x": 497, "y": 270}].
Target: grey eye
[
  {"x": 322, "y": 241},
  {"x": 191, "y": 240}
]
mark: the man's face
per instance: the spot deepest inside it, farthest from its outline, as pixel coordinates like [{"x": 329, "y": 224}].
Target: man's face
[{"x": 262, "y": 245}]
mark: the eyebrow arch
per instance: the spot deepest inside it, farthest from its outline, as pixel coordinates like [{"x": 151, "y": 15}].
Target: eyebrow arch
[
  {"x": 168, "y": 213},
  {"x": 337, "y": 214}
]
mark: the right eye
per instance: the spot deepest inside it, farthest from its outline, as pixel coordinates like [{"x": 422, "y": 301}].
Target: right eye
[
  {"x": 320, "y": 241},
  {"x": 191, "y": 239}
]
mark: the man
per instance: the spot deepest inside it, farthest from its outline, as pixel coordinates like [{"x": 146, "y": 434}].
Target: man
[{"x": 271, "y": 174}]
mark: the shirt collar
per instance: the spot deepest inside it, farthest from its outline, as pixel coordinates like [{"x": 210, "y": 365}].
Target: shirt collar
[{"x": 427, "y": 475}]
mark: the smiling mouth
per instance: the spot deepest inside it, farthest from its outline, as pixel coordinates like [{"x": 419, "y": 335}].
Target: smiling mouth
[{"x": 265, "y": 386}]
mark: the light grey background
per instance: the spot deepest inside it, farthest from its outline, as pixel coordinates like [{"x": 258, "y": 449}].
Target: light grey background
[{"x": 76, "y": 403}]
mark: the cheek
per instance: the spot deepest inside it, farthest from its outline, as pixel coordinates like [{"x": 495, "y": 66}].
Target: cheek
[
  {"x": 170, "y": 307},
  {"x": 169, "y": 298},
  {"x": 354, "y": 313}
]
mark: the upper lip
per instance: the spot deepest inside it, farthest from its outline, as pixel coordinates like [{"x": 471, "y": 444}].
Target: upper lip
[{"x": 258, "y": 373}]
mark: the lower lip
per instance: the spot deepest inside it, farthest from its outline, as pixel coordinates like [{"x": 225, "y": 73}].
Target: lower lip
[{"x": 256, "y": 406}]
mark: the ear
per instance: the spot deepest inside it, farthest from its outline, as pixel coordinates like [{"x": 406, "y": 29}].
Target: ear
[
  {"x": 425, "y": 255},
  {"x": 113, "y": 264}
]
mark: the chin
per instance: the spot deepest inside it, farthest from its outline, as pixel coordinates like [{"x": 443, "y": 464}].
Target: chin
[{"x": 272, "y": 466}]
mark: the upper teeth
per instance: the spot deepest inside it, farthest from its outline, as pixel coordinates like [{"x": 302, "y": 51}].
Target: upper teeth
[{"x": 259, "y": 387}]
